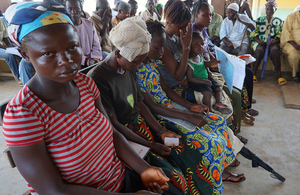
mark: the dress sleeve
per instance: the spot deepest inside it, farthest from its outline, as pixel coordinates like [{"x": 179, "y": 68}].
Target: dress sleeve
[
  {"x": 141, "y": 78},
  {"x": 21, "y": 127},
  {"x": 93, "y": 87},
  {"x": 223, "y": 32},
  {"x": 279, "y": 28},
  {"x": 256, "y": 31},
  {"x": 286, "y": 34},
  {"x": 218, "y": 26},
  {"x": 96, "y": 48}
]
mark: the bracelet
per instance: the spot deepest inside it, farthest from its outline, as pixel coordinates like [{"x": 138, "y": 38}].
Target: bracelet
[{"x": 162, "y": 130}]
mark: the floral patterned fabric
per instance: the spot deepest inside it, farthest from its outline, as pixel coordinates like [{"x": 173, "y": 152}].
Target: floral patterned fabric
[
  {"x": 262, "y": 31},
  {"x": 184, "y": 166},
  {"x": 212, "y": 140}
]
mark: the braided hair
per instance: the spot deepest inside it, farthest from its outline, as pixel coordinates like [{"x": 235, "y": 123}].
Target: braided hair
[
  {"x": 154, "y": 26},
  {"x": 199, "y": 5},
  {"x": 176, "y": 12}
]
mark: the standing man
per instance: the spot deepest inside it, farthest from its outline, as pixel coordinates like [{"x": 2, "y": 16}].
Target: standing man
[{"x": 102, "y": 21}]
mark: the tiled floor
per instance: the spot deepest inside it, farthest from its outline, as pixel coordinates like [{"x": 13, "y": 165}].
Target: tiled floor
[{"x": 274, "y": 138}]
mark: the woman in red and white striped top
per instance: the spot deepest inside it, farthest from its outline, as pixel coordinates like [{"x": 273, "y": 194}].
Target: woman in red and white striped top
[{"x": 56, "y": 127}]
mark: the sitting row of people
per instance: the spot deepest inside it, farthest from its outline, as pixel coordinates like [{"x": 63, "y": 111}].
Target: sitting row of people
[{"x": 72, "y": 138}]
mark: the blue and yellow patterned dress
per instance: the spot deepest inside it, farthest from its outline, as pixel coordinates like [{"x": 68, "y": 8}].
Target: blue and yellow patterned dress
[{"x": 212, "y": 140}]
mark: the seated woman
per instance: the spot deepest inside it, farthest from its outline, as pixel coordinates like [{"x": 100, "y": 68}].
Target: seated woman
[
  {"x": 56, "y": 126},
  {"x": 151, "y": 86},
  {"x": 267, "y": 26},
  {"x": 122, "y": 99}
]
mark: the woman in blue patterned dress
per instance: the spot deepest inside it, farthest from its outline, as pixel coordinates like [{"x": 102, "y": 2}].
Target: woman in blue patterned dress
[{"x": 210, "y": 138}]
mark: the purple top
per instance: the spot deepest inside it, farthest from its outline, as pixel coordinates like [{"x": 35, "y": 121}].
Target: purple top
[
  {"x": 89, "y": 40},
  {"x": 207, "y": 41}
]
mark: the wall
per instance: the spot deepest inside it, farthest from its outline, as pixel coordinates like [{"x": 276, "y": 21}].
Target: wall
[
  {"x": 4, "y": 4},
  {"x": 285, "y": 7}
]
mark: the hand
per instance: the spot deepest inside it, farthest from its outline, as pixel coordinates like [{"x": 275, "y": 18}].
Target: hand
[
  {"x": 197, "y": 120},
  {"x": 213, "y": 61},
  {"x": 261, "y": 42},
  {"x": 297, "y": 47},
  {"x": 169, "y": 134},
  {"x": 145, "y": 192},
  {"x": 160, "y": 149},
  {"x": 207, "y": 82},
  {"x": 199, "y": 108},
  {"x": 271, "y": 42},
  {"x": 106, "y": 17},
  {"x": 93, "y": 61},
  {"x": 155, "y": 180},
  {"x": 186, "y": 38},
  {"x": 229, "y": 44}
]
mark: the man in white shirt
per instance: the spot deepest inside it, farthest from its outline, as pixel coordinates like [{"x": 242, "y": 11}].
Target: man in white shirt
[{"x": 232, "y": 30}]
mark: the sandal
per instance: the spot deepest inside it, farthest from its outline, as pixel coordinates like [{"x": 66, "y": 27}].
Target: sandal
[
  {"x": 250, "y": 117},
  {"x": 295, "y": 79},
  {"x": 254, "y": 79},
  {"x": 242, "y": 139},
  {"x": 253, "y": 112},
  {"x": 222, "y": 108},
  {"x": 234, "y": 178},
  {"x": 235, "y": 163},
  {"x": 253, "y": 101},
  {"x": 282, "y": 81},
  {"x": 247, "y": 122}
]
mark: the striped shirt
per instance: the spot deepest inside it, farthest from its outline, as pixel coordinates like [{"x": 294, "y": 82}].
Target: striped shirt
[{"x": 80, "y": 143}]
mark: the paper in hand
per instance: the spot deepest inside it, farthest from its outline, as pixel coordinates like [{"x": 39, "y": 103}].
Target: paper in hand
[{"x": 170, "y": 141}]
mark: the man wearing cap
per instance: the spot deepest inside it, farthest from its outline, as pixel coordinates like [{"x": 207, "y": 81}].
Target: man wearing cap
[
  {"x": 124, "y": 10},
  {"x": 232, "y": 30}
]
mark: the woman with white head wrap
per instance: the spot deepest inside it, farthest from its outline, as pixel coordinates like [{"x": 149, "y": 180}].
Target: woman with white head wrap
[{"x": 122, "y": 99}]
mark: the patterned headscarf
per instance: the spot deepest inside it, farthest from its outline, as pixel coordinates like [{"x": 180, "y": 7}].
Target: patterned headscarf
[
  {"x": 273, "y": 3},
  {"x": 27, "y": 17}
]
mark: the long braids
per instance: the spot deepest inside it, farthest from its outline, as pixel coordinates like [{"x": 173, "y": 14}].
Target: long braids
[
  {"x": 154, "y": 26},
  {"x": 199, "y": 5},
  {"x": 176, "y": 12}
]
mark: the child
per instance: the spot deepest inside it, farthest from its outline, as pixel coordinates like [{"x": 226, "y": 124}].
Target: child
[
  {"x": 56, "y": 127},
  {"x": 199, "y": 76},
  {"x": 150, "y": 13}
]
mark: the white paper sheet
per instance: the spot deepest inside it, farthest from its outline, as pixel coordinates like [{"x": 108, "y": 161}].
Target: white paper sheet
[{"x": 232, "y": 69}]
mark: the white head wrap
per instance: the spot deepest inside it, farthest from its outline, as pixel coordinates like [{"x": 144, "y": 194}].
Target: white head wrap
[
  {"x": 131, "y": 37},
  {"x": 297, "y": 8},
  {"x": 234, "y": 6}
]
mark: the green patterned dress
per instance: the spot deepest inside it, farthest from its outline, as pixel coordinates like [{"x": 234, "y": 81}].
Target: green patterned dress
[{"x": 262, "y": 31}]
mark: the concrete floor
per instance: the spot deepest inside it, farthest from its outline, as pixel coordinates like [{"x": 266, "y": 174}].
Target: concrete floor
[{"x": 274, "y": 138}]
